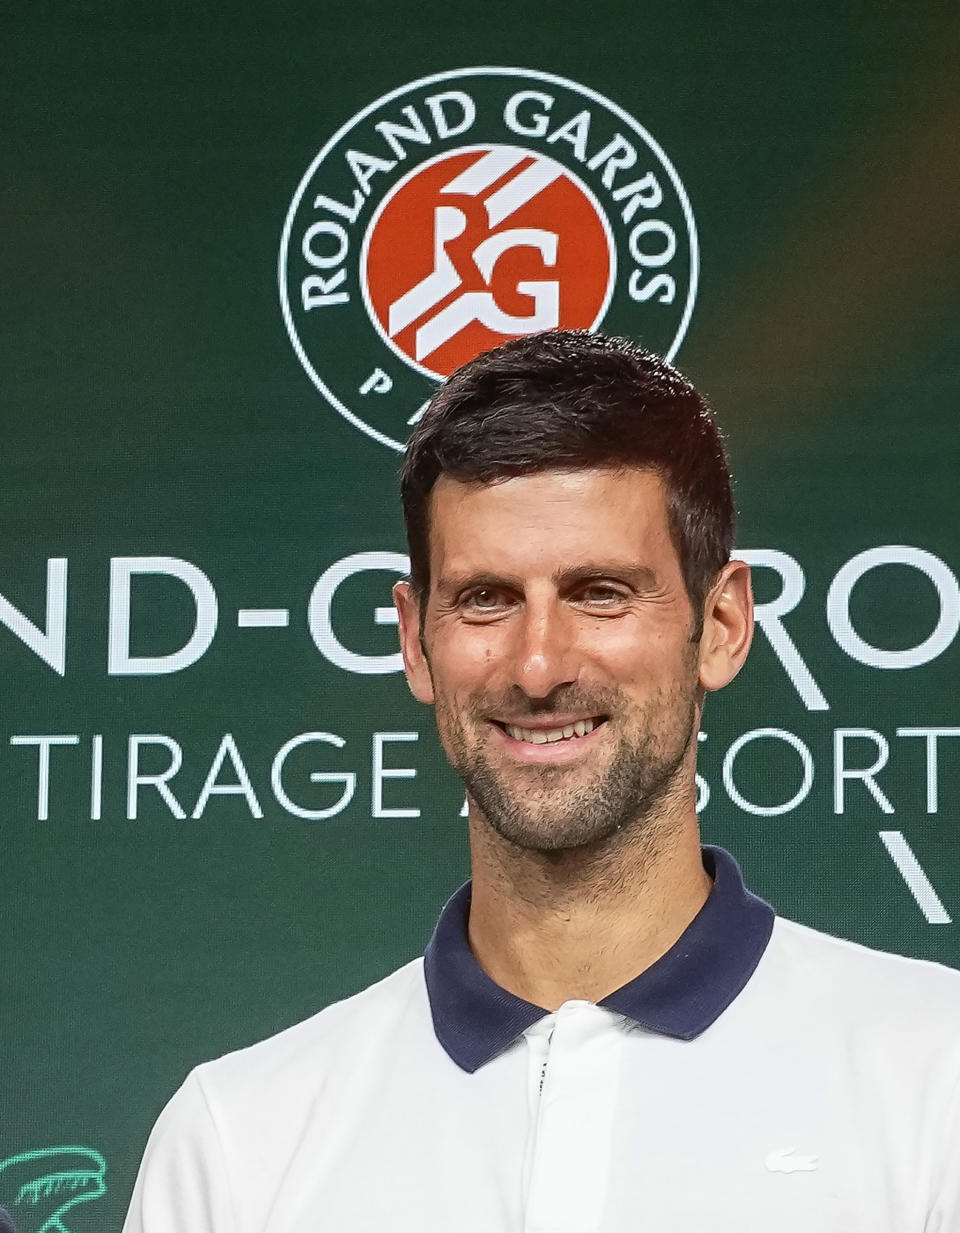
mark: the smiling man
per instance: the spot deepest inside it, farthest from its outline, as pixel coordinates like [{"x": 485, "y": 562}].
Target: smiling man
[
  {"x": 608, "y": 1032},
  {"x": 549, "y": 621}
]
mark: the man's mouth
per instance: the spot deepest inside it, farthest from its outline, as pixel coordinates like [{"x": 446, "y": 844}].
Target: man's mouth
[{"x": 550, "y": 736}]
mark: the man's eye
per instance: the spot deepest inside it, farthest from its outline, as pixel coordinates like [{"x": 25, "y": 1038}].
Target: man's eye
[
  {"x": 483, "y": 598},
  {"x": 599, "y": 594}
]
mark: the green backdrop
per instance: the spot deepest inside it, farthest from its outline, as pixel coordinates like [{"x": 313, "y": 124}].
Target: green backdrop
[{"x": 169, "y": 462}]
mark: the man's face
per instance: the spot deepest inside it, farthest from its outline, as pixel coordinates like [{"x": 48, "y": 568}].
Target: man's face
[{"x": 557, "y": 649}]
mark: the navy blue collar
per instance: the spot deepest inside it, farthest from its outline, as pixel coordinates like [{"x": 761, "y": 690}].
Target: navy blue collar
[{"x": 679, "y": 995}]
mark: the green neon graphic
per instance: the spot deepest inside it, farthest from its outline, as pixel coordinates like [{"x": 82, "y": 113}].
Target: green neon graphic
[{"x": 38, "y": 1188}]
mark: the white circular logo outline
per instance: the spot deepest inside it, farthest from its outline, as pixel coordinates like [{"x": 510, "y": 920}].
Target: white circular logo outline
[{"x": 453, "y": 75}]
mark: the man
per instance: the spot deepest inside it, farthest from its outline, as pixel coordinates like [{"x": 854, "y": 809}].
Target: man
[{"x": 608, "y": 1032}]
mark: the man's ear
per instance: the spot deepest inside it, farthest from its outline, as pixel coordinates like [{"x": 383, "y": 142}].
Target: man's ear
[
  {"x": 727, "y": 626},
  {"x": 414, "y": 661}
]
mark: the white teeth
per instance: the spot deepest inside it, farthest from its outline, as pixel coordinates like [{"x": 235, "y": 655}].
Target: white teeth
[{"x": 543, "y": 736}]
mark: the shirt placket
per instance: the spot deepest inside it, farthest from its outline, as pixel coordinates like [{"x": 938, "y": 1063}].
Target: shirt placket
[{"x": 574, "y": 1077}]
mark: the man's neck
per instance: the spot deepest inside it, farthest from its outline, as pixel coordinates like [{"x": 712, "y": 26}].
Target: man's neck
[{"x": 554, "y": 927}]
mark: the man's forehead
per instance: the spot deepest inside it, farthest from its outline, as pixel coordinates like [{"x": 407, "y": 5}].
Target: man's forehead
[
  {"x": 601, "y": 513},
  {"x": 583, "y": 484}
]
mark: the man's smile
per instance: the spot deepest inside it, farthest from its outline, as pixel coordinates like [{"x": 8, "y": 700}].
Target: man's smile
[{"x": 551, "y": 739}]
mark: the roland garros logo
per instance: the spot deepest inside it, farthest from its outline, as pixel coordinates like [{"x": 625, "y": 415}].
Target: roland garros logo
[{"x": 471, "y": 207}]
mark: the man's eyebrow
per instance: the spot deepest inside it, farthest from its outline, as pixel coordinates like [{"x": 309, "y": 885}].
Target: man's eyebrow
[
  {"x": 481, "y": 578},
  {"x": 640, "y": 577}
]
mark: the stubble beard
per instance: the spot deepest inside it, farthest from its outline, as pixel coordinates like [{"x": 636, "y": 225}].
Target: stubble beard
[{"x": 561, "y": 808}]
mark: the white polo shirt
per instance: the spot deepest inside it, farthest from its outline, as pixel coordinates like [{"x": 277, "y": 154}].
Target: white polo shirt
[{"x": 760, "y": 1078}]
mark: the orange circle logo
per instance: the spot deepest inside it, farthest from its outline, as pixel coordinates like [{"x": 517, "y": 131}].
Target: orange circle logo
[{"x": 481, "y": 245}]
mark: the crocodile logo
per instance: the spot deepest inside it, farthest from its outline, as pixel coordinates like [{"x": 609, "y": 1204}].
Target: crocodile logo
[{"x": 40, "y": 1187}]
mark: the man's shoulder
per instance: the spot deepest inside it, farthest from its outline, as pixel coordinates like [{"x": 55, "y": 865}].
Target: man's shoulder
[
  {"x": 238, "y": 1121},
  {"x": 865, "y": 961},
  {"x": 376, "y": 1018},
  {"x": 871, "y": 987}
]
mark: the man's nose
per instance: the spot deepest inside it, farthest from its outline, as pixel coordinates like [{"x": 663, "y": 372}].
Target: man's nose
[{"x": 545, "y": 655}]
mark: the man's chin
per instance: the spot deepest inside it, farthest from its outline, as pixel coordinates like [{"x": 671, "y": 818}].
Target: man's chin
[
  {"x": 565, "y": 841},
  {"x": 565, "y": 827}
]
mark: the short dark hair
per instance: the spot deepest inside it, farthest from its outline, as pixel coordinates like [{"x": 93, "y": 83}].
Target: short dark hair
[{"x": 566, "y": 400}]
